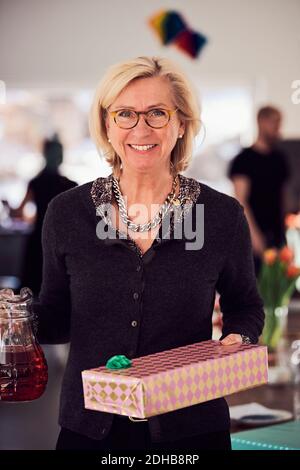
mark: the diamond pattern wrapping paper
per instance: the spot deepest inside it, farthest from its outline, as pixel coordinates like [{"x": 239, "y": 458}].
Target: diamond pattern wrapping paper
[{"x": 174, "y": 379}]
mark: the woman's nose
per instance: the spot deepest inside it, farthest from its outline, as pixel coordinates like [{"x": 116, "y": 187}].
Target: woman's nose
[{"x": 142, "y": 124}]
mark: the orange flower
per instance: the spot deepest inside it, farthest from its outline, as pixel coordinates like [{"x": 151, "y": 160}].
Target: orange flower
[
  {"x": 286, "y": 255},
  {"x": 292, "y": 271},
  {"x": 292, "y": 221},
  {"x": 270, "y": 256}
]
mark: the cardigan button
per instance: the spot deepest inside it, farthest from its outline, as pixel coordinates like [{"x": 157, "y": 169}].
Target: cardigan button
[
  {"x": 134, "y": 323},
  {"x": 135, "y": 295},
  {"x": 138, "y": 268}
]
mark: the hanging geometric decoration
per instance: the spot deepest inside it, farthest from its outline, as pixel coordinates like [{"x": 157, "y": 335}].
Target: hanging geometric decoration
[{"x": 172, "y": 29}]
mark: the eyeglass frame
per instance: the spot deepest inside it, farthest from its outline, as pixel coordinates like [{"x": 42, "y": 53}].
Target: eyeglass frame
[{"x": 138, "y": 113}]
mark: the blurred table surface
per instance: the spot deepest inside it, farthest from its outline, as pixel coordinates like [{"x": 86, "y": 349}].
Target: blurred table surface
[{"x": 275, "y": 396}]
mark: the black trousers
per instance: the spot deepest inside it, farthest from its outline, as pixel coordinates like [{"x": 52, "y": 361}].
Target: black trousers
[{"x": 126, "y": 435}]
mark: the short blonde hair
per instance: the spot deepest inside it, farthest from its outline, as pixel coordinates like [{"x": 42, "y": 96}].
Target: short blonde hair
[{"x": 118, "y": 77}]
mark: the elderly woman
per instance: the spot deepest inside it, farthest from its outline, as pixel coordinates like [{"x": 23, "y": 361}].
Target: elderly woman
[{"x": 136, "y": 284}]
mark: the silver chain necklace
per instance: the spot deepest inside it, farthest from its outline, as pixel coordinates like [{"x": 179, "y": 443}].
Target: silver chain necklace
[{"x": 165, "y": 207}]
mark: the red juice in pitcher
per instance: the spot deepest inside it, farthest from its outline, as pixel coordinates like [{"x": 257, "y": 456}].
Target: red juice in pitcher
[
  {"x": 23, "y": 367},
  {"x": 23, "y": 373}
]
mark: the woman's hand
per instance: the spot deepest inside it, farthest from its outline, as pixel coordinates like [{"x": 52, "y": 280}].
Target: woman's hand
[{"x": 232, "y": 339}]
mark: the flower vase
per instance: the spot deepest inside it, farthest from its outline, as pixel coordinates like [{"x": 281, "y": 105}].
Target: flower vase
[{"x": 275, "y": 326}]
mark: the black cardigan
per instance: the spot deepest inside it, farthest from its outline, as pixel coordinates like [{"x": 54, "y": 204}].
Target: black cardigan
[{"x": 106, "y": 298}]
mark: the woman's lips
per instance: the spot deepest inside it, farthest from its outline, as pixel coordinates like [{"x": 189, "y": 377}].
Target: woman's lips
[{"x": 142, "y": 149}]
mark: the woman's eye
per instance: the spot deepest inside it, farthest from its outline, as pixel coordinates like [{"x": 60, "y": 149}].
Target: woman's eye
[
  {"x": 157, "y": 112},
  {"x": 126, "y": 113}
]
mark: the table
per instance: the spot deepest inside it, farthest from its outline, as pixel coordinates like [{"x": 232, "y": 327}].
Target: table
[{"x": 276, "y": 396}]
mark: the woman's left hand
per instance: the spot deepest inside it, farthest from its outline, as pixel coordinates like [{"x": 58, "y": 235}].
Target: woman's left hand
[{"x": 232, "y": 339}]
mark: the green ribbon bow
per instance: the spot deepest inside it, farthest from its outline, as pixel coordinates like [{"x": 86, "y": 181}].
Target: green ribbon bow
[{"x": 118, "y": 362}]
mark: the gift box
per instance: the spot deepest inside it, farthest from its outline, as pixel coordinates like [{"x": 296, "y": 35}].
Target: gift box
[{"x": 174, "y": 379}]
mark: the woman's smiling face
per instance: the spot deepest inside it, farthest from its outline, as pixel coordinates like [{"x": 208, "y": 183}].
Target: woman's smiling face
[{"x": 144, "y": 94}]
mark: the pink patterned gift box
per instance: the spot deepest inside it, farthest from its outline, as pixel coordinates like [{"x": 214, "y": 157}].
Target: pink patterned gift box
[{"x": 177, "y": 378}]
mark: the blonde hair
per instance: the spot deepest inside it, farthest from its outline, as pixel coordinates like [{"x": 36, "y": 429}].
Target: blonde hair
[{"x": 118, "y": 77}]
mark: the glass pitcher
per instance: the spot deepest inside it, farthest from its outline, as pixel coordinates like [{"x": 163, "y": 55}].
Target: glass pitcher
[
  {"x": 295, "y": 366},
  {"x": 23, "y": 367}
]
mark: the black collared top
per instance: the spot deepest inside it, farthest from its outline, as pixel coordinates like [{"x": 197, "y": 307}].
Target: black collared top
[{"x": 107, "y": 298}]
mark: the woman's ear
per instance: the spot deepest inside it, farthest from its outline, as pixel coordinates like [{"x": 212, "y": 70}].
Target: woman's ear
[
  {"x": 182, "y": 128},
  {"x": 106, "y": 121}
]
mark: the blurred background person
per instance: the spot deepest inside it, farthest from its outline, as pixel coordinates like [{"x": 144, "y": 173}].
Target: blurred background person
[
  {"x": 41, "y": 189},
  {"x": 259, "y": 175}
]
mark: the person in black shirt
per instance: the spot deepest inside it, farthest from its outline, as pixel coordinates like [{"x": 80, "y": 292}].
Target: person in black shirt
[
  {"x": 41, "y": 190},
  {"x": 119, "y": 276},
  {"x": 259, "y": 175}
]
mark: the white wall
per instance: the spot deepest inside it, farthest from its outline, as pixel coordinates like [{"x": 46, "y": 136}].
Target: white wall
[{"x": 69, "y": 43}]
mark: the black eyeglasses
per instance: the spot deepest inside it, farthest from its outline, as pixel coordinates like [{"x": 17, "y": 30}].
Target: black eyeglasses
[{"x": 156, "y": 118}]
